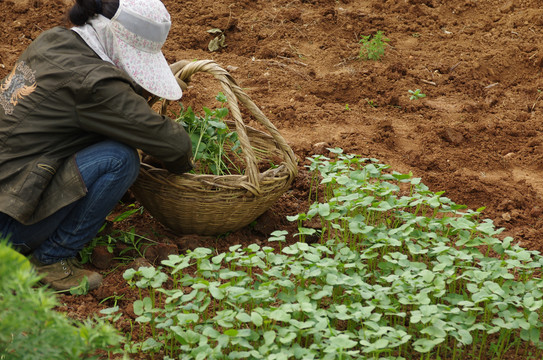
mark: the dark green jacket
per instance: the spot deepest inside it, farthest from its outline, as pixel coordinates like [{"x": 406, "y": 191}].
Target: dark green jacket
[{"x": 60, "y": 98}]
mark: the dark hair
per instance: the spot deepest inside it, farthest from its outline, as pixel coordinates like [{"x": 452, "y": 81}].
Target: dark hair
[{"x": 83, "y": 10}]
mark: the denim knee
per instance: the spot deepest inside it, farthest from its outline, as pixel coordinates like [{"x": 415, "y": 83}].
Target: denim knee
[
  {"x": 109, "y": 157},
  {"x": 129, "y": 159}
]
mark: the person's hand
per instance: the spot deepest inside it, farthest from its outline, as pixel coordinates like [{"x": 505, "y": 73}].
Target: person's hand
[
  {"x": 188, "y": 165},
  {"x": 179, "y": 167},
  {"x": 153, "y": 161}
]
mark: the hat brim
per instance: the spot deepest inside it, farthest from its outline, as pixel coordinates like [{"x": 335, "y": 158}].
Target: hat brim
[{"x": 149, "y": 70}]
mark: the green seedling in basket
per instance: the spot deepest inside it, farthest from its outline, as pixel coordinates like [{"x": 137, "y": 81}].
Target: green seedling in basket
[{"x": 215, "y": 147}]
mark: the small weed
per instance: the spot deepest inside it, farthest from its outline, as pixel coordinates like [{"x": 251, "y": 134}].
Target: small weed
[
  {"x": 134, "y": 242},
  {"x": 415, "y": 95},
  {"x": 109, "y": 240},
  {"x": 82, "y": 288},
  {"x": 371, "y": 103},
  {"x": 372, "y": 47},
  {"x": 115, "y": 298}
]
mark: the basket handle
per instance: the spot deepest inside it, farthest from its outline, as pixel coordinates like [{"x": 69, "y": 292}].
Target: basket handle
[{"x": 183, "y": 70}]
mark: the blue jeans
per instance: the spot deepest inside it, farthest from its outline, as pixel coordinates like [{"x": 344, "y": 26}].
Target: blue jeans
[{"x": 108, "y": 169}]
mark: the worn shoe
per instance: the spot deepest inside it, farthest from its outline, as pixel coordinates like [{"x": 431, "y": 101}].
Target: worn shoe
[{"x": 66, "y": 274}]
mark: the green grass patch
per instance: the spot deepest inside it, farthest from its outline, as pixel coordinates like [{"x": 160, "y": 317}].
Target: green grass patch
[{"x": 30, "y": 328}]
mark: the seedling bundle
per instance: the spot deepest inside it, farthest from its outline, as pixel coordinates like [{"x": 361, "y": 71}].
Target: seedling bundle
[{"x": 211, "y": 204}]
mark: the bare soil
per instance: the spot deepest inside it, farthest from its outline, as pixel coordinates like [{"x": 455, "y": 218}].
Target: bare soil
[{"x": 477, "y": 135}]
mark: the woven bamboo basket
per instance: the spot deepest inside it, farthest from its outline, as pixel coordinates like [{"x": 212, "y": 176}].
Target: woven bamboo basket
[{"x": 209, "y": 204}]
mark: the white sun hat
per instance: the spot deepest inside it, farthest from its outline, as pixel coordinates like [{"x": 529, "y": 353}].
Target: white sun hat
[{"x": 139, "y": 29}]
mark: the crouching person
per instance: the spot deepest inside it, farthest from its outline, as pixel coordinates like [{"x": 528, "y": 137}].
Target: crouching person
[{"x": 73, "y": 111}]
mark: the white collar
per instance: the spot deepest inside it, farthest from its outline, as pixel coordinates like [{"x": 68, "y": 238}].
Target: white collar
[{"x": 96, "y": 34}]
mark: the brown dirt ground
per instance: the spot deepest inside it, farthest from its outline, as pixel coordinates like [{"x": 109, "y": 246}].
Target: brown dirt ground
[{"x": 477, "y": 135}]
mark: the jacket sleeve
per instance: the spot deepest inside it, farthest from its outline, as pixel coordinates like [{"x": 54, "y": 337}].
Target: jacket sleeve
[{"x": 109, "y": 105}]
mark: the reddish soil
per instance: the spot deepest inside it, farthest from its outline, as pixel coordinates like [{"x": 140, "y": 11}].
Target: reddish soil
[{"x": 477, "y": 135}]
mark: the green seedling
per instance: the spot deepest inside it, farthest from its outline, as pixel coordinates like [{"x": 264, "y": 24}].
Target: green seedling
[
  {"x": 398, "y": 273},
  {"x": 81, "y": 289},
  {"x": 415, "y": 95},
  {"x": 136, "y": 243},
  {"x": 372, "y": 47},
  {"x": 371, "y": 103},
  {"x": 115, "y": 298},
  {"x": 110, "y": 240}
]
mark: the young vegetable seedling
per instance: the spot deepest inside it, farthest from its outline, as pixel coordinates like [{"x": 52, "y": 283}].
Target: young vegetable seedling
[
  {"x": 372, "y": 47},
  {"x": 415, "y": 95}
]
